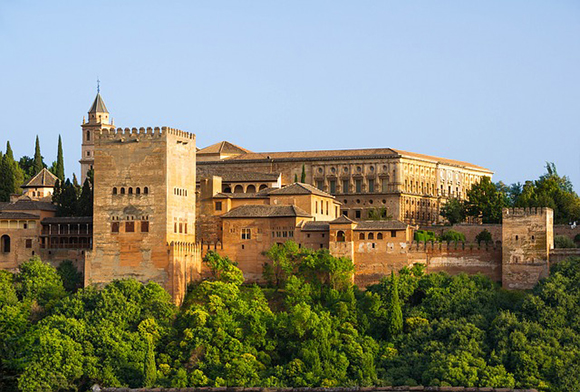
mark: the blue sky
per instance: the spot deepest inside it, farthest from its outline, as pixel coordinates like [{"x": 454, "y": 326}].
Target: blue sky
[{"x": 495, "y": 83}]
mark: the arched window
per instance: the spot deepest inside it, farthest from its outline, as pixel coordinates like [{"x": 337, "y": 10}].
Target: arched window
[
  {"x": 380, "y": 236},
  {"x": 251, "y": 189},
  {"x": 227, "y": 189},
  {"x": 263, "y": 186},
  {"x": 114, "y": 190},
  {"x": 361, "y": 236},
  {"x": 238, "y": 189},
  {"x": 145, "y": 190},
  {"x": 130, "y": 190},
  {"x": 371, "y": 236},
  {"x": 5, "y": 244},
  {"x": 122, "y": 191},
  {"x": 340, "y": 237},
  {"x": 138, "y": 191},
  {"x": 88, "y": 136}
]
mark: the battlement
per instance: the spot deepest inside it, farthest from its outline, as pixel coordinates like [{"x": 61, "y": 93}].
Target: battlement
[
  {"x": 136, "y": 134},
  {"x": 528, "y": 211}
]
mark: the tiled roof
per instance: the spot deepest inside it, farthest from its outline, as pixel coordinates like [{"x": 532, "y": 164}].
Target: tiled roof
[
  {"x": 381, "y": 225},
  {"x": 265, "y": 211},
  {"x": 249, "y": 177},
  {"x": 343, "y": 219},
  {"x": 315, "y": 226},
  {"x": 29, "y": 205},
  {"x": 17, "y": 215},
  {"x": 363, "y": 153},
  {"x": 43, "y": 179},
  {"x": 224, "y": 195},
  {"x": 299, "y": 188},
  {"x": 98, "y": 105},
  {"x": 68, "y": 219},
  {"x": 3, "y": 204},
  {"x": 96, "y": 388},
  {"x": 223, "y": 147}
]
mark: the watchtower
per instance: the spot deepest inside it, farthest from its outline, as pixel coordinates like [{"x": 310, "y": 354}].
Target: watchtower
[
  {"x": 144, "y": 208},
  {"x": 527, "y": 237}
]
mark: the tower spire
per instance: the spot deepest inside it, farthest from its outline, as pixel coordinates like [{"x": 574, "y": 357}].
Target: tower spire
[{"x": 98, "y": 85}]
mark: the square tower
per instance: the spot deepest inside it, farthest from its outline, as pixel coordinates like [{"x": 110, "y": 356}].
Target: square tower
[
  {"x": 527, "y": 238},
  {"x": 144, "y": 208}
]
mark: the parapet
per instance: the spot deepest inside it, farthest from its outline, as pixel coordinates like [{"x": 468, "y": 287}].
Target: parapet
[
  {"x": 528, "y": 211},
  {"x": 136, "y": 134}
]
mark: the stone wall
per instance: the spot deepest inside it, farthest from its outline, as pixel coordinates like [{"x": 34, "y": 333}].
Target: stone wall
[{"x": 469, "y": 230}]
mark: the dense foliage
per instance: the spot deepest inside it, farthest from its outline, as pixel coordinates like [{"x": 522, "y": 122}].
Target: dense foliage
[
  {"x": 317, "y": 329},
  {"x": 485, "y": 200}
]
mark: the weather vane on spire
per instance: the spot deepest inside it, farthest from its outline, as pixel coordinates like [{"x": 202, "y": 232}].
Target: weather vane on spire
[{"x": 98, "y": 85}]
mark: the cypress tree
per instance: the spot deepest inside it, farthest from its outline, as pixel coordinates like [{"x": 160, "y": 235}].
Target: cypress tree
[
  {"x": 303, "y": 175},
  {"x": 75, "y": 181},
  {"x": 7, "y": 178},
  {"x": 149, "y": 368},
  {"x": 295, "y": 177},
  {"x": 9, "y": 152},
  {"x": 395, "y": 321},
  {"x": 85, "y": 205},
  {"x": 59, "y": 161},
  {"x": 38, "y": 164}
]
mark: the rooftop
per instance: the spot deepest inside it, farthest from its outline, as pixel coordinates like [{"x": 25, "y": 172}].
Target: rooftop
[
  {"x": 27, "y": 204},
  {"x": 17, "y": 215},
  {"x": 68, "y": 219},
  {"x": 223, "y": 147},
  {"x": 98, "y": 105},
  {"x": 299, "y": 188},
  {"x": 265, "y": 211},
  {"x": 381, "y": 225},
  {"x": 43, "y": 179}
]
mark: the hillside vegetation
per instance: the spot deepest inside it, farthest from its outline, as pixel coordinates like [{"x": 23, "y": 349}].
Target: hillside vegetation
[{"x": 311, "y": 327}]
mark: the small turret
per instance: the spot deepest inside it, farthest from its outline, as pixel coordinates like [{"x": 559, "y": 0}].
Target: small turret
[{"x": 98, "y": 113}]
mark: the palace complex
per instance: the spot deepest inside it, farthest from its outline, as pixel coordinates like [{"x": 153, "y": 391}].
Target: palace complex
[{"x": 160, "y": 204}]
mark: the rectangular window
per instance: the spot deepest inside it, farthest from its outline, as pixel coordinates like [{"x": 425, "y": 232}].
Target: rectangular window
[
  {"x": 345, "y": 186},
  {"x": 357, "y": 214},
  {"x": 180, "y": 228},
  {"x": 345, "y": 213},
  {"x": 384, "y": 185},
  {"x": 218, "y": 205},
  {"x": 129, "y": 227},
  {"x": 144, "y": 227},
  {"x": 115, "y": 227},
  {"x": 175, "y": 227},
  {"x": 393, "y": 233},
  {"x": 358, "y": 186},
  {"x": 185, "y": 228},
  {"x": 332, "y": 184},
  {"x": 246, "y": 234},
  {"x": 371, "y": 186},
  {"x": 29, "y": 243},
  {"x": 320, "y": 184}
]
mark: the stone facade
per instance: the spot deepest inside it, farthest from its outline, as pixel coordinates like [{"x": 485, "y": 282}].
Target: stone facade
[{"x": 144, "y": 208}]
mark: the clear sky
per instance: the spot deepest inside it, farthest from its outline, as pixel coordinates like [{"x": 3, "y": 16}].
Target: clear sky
[{"x": 495, "y": 83}]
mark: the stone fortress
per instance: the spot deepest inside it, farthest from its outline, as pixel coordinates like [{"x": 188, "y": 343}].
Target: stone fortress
[{"x": 160, "y": 204}]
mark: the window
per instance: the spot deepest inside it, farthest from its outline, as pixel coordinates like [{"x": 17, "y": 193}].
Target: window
[
  {"x": 345, "y": 186},
  {"x": 379, "y": 236},
  {"x": 138, "y": 191},
  {"x": 340, "y": 237},
  {"x": 144, "y": 227},
  {"x": 357, "y": 214},
  {"x": 29, "y": 243},
  {"x": 88, "y": 136},
  {"x": 130, "y": 191},
  {"x": 115, "y": 227},
  {"x": 145, "y": 190},
  {"x": 239, "y": 189},
  {"x": 320, "y": 184},
  {"x": 361, "y": 236},
  {"x": 326, "y": 208},
  {"x": 246, "y": 234},
  {"x": 175, "y": 227},
  {"x": 393, "y": 233},
  {"x": 332, "y": 184},
  {"x": 358, "y": 186},
  {"x": 122, "y": 191},
  {"x": 371, "y": 236},
  {"x": 180, "y": 228},
  {"x": 251, "y": 189},
  {"x": 218, "y": 205},
  {"x": 129, "y": 227},
  {"x": 371, "y": 186},
  {"x": 345, "y": 213},
  {"x": 316, "y": 207},
  {"x": 384, "y": 185}
]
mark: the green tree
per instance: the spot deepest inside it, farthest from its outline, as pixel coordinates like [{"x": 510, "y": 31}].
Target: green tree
[
  {"x": 26, "y": 164},
  {"x": 283, "y": 262},
  {"x": 149, "y": 367},
  {"x": 38, "y": 163},
  {"x": 59, "y": 169},
  {"x": 452, "y": 236},
  {"x": 303, "y": 175},
  {"x": 66, "y": 199},
  {"x": 563, "y": 241},
  {"x": 72, "y": 278},
  {"x": 85, "y": 201},
  {"x": 484, "y": 236},
  {"x": 485, "y": 202},
  {"x": 7, "y": 179},
  {"x": 395, "y": 313},
  {"x": 453, "y": 211}
]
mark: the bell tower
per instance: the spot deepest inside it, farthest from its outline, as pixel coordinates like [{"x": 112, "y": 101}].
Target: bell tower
[{"x": 98, "y": 119}]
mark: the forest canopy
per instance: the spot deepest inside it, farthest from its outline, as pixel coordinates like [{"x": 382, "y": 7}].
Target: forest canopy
[{"x": 316, "y": 329}]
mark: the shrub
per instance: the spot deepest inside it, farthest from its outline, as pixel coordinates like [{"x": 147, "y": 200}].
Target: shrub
[
  {"x": 452, "y": 235},
  {"x": 562, "y": 241},
  {"x": 577, "y": 238},
  {"x": 484, "y": 236},
  {"x": 424, "y": 236}
]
